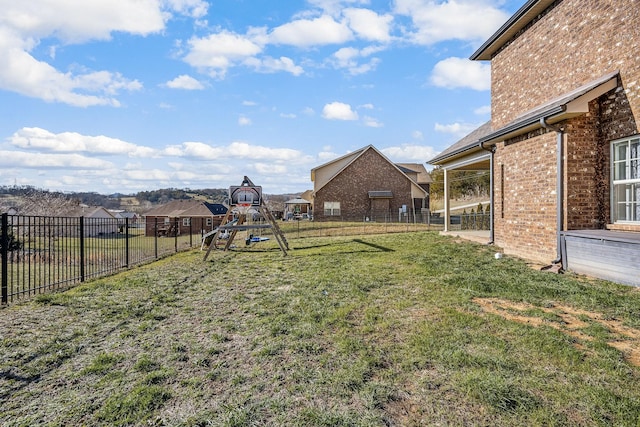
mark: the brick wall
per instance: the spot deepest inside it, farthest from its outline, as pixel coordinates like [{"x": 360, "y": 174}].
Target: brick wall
[
  {"x": 525, "y": 197},
  {"x": 574, "y": 43},
  {"x": 369, "y": 172}
]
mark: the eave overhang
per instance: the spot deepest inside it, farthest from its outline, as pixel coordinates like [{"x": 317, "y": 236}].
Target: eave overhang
[
  {"x": 527, "y": 13},
  {"x": 572, "y": 104}
]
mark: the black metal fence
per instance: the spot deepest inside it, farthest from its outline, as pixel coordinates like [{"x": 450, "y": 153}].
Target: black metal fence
[{"x": 40, "y": 254}]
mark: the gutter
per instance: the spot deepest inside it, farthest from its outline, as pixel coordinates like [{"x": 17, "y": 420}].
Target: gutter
[
  {"x": 559, "y": 188},
  {"x": 491, "y": 150}
]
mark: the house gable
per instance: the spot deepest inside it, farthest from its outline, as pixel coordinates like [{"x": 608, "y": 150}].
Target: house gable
[{"x": 369, "y": 182}]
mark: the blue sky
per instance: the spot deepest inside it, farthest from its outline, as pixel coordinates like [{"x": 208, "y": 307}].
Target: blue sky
[{"x": 133, "y": 95}]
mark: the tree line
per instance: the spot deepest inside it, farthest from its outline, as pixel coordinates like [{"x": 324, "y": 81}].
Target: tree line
[{"x": 462, "y": 184}]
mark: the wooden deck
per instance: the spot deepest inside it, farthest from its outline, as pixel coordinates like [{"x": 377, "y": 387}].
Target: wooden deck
[{"x": 605, "y": 254}]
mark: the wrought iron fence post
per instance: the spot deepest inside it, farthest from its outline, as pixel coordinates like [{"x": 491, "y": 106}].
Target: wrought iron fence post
[
  {"x": 4, "y": 247},
  {"x": 190, "y": 232},
  {"x": 82, "y": 257},
  {"x": 155, "y": 232},
  {"x": 126, "y": 242},
  {"x": 175, "y": 240}
]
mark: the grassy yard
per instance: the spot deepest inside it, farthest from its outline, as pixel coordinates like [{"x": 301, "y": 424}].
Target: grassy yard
[{"x": 406, "y": 329}]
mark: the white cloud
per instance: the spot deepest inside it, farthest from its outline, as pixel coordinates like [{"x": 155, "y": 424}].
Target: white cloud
[
  {"x": 244, "y": 121},
  {"x": 416, "y": 134},
  {"x": 202, "y": 151},
  {"x": 72, "y": 142},
  {"x": 371, "y": 122},
  {"x": 185, "y": 82},
  {"x": 409, "y": 153},
  {"x": 311, "y": 32},
  {"x": 26, "y": 24},
  {"x": 23, "y": 159},
  {"x": 457, "y": 129},
  {"x": 269, "y": 168},
  {"x": 215, "y": 53},
  {"x": 22, "y": 73},
  {"x": 433, "y": 22},
  {"x": 335, "y": 6},
  {"x": 249, "y": 103},
  {"x": 485, "y": 109},
  {"x": 192, "y": 8},
  {"x": 347, "y": 57},
  {"x": 288, "y": 116},
  {"x": 76, "y": 21},
  {"x": 339, "y": 111},
  {"x": 461, "y": 73},
  {"x": 272, "y": 65},
  {"x": 369, "y": 25}
]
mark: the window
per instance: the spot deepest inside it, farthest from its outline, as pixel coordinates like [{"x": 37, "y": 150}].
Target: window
[
  {"x": 186, "y": 222},
  {"x": 209, "y": 222},
  {"x": 331, "y": 208},
  {"x": 625, "y": 174}
]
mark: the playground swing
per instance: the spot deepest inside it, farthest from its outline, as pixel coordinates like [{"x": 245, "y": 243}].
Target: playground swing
[{"x": 243, "y": 198}]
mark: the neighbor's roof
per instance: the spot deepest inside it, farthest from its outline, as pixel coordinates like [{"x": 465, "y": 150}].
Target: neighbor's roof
[
  {"x": 187, "y": 207},
  {"x": 527, "y": 13},
  {"x": 86, "y": 211},
  {"x": 423, "y": 176},
  {"x": 469, "y": 142},
  {"x": 297, "y": 201}
]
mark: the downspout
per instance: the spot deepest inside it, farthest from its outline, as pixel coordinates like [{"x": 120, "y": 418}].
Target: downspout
[
  {"x": 559, "y": 188},
  {"x": 491, "y": 150}
]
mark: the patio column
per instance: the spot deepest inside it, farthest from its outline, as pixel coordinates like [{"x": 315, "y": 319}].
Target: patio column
[{"x": 447, "y": 213}]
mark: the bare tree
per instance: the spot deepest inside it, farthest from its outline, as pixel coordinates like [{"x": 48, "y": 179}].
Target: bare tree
[{"x": 44, "y": 203}]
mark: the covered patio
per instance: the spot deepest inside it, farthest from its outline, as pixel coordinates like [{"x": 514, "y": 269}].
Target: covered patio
[{"x": 466, "y": 155}]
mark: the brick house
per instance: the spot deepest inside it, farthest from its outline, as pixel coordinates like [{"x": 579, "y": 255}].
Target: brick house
[
  {"x": 366, "y": 184},
  {"x": 184, "y": 217},
  {"x": 562, "y": 144}
]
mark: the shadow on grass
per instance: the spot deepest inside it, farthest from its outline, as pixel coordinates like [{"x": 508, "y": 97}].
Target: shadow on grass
[
  {"x": 373, "y": 245},
  {"x": 334, "y": 244}
]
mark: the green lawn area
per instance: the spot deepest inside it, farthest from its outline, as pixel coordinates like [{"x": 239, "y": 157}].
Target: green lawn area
[{"x": 407, "y": 329}]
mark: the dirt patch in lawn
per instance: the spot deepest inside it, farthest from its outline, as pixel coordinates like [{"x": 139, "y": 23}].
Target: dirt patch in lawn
[{"x": 570, "y": 321}]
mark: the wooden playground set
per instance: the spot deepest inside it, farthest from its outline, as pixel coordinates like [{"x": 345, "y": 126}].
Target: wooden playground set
[{"x": 244, "y": 199}]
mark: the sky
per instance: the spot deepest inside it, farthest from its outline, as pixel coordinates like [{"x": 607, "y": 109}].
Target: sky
[{"x": 122, "y": 96}]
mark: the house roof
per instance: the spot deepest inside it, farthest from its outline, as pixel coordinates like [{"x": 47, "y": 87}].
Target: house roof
[
  {"x": 349, "y": 158},
  {"x": 423, "y": 176},
  {"x": 187, "y": 207},
  {"x": 465, "y": 144},
  {"x": 568, "y": 105},
  {"x": 87, "y": 211},
  {"x": 525, "y": 15},
  {"x": 297, "y": 201}
]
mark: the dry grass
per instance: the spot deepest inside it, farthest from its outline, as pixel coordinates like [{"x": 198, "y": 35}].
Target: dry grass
[{"x": 406, "y": 329}]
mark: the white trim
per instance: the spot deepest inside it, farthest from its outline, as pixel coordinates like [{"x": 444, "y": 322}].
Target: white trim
[{"x": 468, "y": 160}]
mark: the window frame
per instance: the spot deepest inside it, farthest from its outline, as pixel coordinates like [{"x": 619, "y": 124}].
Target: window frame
[
  {"x": 332, "y": 209},
  {"x": 631, "y": 200}
]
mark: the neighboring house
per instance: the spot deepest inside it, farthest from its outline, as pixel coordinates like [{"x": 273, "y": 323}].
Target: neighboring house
[
  {"x": 366, "y": 184},
  {"x": 183, "y": 217},
  {"x": 132, "y": 217},
  {"x": 562, "y": 144},
  {"x": 295, "y": 207},
  {"x": 97, "y": 220}
]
